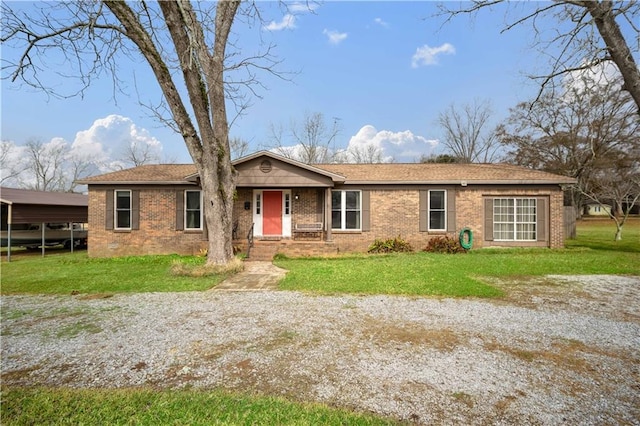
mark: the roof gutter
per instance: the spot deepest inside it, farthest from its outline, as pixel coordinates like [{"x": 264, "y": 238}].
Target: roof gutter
[
  {"x": 456, "y": 182},
  {"x": 127, "y": 182}
]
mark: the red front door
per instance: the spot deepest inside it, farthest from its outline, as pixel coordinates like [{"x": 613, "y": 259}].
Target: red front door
[{"x": 272, "y": 213}]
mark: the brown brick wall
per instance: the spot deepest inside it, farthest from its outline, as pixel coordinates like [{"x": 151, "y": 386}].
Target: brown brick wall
[
  {"x": 157, "y": 233},
  {"x": 394, "y": 212}
]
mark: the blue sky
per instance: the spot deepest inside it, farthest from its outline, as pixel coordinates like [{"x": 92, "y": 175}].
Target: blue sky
[{"x": 385, "y": 70}]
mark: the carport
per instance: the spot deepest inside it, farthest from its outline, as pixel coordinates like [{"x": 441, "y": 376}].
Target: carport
[{"x": 21, "y": 206}]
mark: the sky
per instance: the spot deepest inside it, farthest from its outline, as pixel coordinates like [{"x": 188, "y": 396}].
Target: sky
[{"x": 382, "y": 71}]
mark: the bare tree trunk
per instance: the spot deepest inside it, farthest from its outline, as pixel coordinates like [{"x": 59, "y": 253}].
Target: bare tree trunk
[
  {"x": 203, "y": 72},
  {"x": 609, "y": 30},
  {"x": 618, "y": 236}
]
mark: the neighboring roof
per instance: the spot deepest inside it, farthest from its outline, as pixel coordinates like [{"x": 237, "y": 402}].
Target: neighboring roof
[
  {"x": 148, "y": 173},
  {"x": 26, "y": 196},
  {"x": 26, "y": 206},
  {"x": 386, "y": 173},
  {"x": 427, "y": 173}
]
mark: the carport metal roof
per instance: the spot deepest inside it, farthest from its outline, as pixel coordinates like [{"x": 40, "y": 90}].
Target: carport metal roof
[{"x": 28, "y": 206}]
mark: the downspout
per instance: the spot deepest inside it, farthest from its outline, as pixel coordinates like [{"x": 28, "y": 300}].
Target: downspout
[
  {"x": 42, "y": 239},
  {"x": 9, "y": 233}
]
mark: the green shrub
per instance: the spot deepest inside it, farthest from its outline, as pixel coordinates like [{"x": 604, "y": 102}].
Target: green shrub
[
  {"x": 444, "y": 244},
  {"x": 392, "y": 245}
]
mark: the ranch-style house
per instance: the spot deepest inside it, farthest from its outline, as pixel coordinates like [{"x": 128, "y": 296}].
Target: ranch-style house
[{"x": 322, "y": 209}]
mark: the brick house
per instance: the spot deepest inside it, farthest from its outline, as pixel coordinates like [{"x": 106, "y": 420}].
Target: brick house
[{"x": 301, "y": 209}]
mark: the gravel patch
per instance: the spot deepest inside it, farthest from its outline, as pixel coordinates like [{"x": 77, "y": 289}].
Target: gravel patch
[{"x": 558, "y": 349}]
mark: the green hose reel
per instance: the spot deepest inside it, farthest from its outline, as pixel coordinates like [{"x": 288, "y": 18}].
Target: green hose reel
[{"x": 466, "y": 238}]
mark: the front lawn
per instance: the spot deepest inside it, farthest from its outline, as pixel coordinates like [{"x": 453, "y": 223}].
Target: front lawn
[
  {"x": 63, "y": 273},
  {"x": 460, "y": 275},
  {"x": 42, "y": 406}
]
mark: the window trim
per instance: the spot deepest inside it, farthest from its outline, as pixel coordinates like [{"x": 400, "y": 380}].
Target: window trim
[
  {"x": 515, "y": 223},
  {"x": 343, "y": 210},
  {"x": 116, "y": 210},
  {"x": 186, "y": 228},
  {"x": 444, "y": 210}
]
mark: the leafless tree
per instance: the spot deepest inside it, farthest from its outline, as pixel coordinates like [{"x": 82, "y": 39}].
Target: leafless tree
[
  {"x": 467, "y": 135},
  {"x": 45, "y": 166},
  {"x": 617, "y": 186},
  {"x": 12, "y": 164},
  {"x": 589, "y": 32},
  {"x": 185, "y": 44},
  {"x": 367, "y": 154},
  {"x": 137, "y": 153},
  {"x": 590, "y": 133},
  {"x": 239, "y": 147},
  {"x": 310, "y": 141}
]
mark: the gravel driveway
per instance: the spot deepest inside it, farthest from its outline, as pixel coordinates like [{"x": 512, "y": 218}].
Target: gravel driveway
[{"x": 555, "y": 350}]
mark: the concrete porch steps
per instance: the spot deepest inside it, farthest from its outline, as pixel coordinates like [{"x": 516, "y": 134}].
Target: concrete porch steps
[{"x": 264, "y": 250}]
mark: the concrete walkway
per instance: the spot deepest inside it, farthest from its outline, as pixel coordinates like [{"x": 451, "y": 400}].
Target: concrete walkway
[{"x": 256, "y": 276}]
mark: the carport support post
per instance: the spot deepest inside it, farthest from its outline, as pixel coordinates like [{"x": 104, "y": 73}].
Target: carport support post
[
  {"x": 71, "y": 226},
  {"x": 42, "y": 239}
]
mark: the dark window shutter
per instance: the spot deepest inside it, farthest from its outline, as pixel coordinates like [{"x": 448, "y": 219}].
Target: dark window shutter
[
  {"x": 451, "y": 210},
  {"x": 179, "y": 210},
  {"x": 319, "y": 206},
  {"x": 135, "y": 210},
  {"x": 108, "y": 213},
  {"x": 424, "y": 195},
  {"x": 366, "y": 211},
  {"x": 488, "y": 219},
  {"x": 542, "y": 224}
]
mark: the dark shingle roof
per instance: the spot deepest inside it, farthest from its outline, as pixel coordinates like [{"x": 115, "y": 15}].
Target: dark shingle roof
[
  {"x": 387, "y": 173},
  {"x": 148, "y": 173},
  {"x": 452, "y": 173}
]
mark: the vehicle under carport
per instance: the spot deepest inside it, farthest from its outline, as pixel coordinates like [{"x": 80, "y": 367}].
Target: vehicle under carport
[{"x": 26, "y": 208}]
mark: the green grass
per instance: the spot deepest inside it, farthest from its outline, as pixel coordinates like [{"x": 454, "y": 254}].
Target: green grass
[
  {"x": 43, "y": 406},
  {"x": 461, "y": 275},
  {"x": 62, "y": 273}
]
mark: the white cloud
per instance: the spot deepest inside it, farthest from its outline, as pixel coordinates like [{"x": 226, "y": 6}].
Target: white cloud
[
  {"x": 381, "y": 22},
  {"x": 394, "y": 146},
  {"x": 602, "y": 74},
  {"x": 427, "y": 55},
  {"x": 335, "y": 37},
  {"x": 109, "y": 138},
  {"x": 288, "y": 22}
]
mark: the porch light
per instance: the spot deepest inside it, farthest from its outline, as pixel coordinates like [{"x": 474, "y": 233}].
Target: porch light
[{"x": 296, "y": 197}]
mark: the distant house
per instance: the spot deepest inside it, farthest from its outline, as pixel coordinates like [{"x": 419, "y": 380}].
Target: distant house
[
  {"x": 302, "y": 209},
  {"x": 595, "y": 209}
]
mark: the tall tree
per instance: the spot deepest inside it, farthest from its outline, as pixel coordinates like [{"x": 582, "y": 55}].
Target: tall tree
[
  {"x": 589, "y": 132},
  {"x": 12, "y": 164},
  {"x": 185, "y": 45},
  {"x": 589, "y": 32},
  {"x": 467, "y": 134},
  {"x": 310, "y": 141}
]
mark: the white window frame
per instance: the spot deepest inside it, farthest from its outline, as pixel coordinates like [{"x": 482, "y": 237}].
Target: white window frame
[
  {"x": 515, "y": 222},
  {"x": 343, "y": 210},
  {"x": 443, "y": 210},
  {"x": 186, "y": 209},
  {"x": 116, "y": 210}
]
